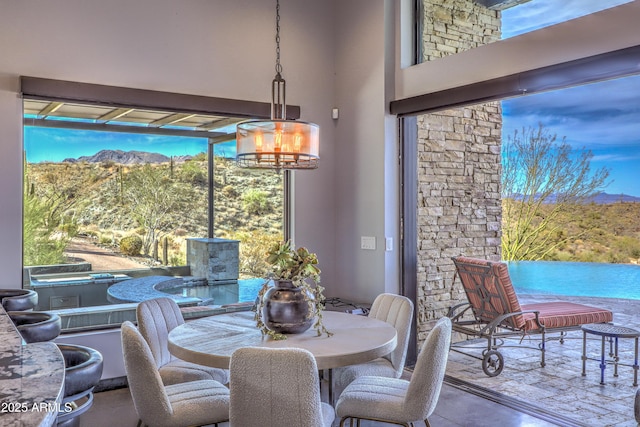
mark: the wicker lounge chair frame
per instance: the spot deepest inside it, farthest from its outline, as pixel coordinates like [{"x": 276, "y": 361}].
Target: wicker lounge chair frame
[{"x": 493, "y": 312}]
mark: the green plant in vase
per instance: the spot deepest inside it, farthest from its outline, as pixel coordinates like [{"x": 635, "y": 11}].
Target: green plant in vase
[{"x": 293, "y": 303}]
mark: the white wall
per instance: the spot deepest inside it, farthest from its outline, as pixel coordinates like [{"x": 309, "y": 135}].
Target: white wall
[{"x": 362, "y": 139}]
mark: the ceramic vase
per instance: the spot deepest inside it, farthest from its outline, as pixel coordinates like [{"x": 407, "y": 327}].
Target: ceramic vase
[{"x": 285, "y": 308}]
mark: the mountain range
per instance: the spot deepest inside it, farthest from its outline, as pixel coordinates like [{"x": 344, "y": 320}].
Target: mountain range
[
  {"x": 139, "y": 157},
  {"x": 126, "y": 157}
]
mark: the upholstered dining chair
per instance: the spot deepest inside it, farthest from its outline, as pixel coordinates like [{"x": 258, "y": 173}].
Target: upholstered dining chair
[
  {"x": 156, "y": 318},
  {"x": 396, "y": 310},
  {"x": 194, "y": 403},
  {"x": 397, "y": 401},
  {"x": 273, "y": 387}
]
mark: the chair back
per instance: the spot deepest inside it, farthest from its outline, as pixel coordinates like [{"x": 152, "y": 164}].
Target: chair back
[
  {"x": 149, "y": 397},
  {"x": 426, "y": 380},
  {"x": 18, "y": 299},
  {"x": 156, "y": 318},
  {"x": 274, "y": 387},
  {"x": 489, "y": 290},
  {"x": 396, "y": 310}
]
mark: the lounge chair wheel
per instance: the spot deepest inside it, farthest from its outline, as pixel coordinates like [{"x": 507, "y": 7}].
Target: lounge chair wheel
[{"x": 492, "y": 363}]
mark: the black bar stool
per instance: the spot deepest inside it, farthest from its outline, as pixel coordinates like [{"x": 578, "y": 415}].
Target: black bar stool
[
  {"x": 83, "y": 370},
  {"x": 18, "y": 299},
  {"x": 36, "y": 326}
]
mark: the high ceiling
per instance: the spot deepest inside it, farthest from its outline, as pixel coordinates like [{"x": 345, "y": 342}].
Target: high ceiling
[{"x": 59, "y": 114}]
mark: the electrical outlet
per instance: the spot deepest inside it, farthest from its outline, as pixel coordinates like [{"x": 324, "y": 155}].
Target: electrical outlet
[{"x": 368, "y": 243}]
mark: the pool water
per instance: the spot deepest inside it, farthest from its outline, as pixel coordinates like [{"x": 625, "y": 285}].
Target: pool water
[
  {"x": 245, "y": 290},
  {"x": 576, "y": 278}
]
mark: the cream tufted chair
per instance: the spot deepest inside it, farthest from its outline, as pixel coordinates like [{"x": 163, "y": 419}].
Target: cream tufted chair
[
  {"x": 194, "y": 403},
  {"x": 398, "y": 401},
  {"x": 397, "y": 311},
  {"x": 276, "y": 387},
  {"x": 156, "y": 318}
]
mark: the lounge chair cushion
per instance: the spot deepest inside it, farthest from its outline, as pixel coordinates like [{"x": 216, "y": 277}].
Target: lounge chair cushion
[{"x": 562, "y": 314}]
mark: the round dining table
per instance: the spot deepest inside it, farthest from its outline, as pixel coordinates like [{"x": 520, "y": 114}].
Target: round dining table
[{"x": 211, "y": 341}]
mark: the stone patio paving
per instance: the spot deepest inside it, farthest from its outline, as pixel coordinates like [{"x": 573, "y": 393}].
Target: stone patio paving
[{"x": 559, "y": 387}]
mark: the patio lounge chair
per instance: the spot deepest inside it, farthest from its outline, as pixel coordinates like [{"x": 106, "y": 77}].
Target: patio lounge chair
[{"x": 496, "y": 312}]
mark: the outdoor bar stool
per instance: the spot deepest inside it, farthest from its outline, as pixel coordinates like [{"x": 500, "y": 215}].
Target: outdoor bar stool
[
  {"x": 36, "y": 326},
  {"x": 18, "y": 299},
  {"x": 83, "y": 370}
]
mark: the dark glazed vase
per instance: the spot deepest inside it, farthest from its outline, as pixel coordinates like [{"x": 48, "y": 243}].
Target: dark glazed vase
[{"x": 285, "y": 309}]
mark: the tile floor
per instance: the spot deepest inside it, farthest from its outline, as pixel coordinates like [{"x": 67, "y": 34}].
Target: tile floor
[
  {"x": 559, "y": 387},
  {"x": 455, "y": 408}
]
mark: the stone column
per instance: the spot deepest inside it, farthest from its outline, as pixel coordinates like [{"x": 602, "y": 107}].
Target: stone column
[{"x": 215, "y": 259}]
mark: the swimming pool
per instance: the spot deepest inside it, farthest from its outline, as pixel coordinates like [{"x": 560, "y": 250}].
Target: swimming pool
[
  {"x": 576, "y": 278},
  {"x": 244, "y": 290}
]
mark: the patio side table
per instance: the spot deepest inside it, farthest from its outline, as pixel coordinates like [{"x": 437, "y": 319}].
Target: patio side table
[{"x": 612, "y": 332}]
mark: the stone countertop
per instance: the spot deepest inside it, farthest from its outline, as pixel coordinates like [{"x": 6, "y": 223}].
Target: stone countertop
[{"x": 31, "y": 379}]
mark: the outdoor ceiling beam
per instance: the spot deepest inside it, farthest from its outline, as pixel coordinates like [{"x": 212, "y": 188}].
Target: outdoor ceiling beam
[
  {"x": 50, "y": 108},
  {"x": 500, "y": 4},
  {"x": 223, "y": 138},
  {"x": 220, "y": 123},
  {"x": 125, "y": 129},
  {"x": 170, "y": 119},
  {"x": 114, "y": 114},
  {"x": 117, "y": 96}
]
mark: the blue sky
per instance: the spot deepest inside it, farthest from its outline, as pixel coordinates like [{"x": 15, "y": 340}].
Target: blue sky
[
  {"x": 50, "y": 144},
  {"x": 602, "y": 117}
]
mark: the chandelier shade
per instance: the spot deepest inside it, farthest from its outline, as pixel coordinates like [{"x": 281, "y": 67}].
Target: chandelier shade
[{"x": 278, "y": 144}]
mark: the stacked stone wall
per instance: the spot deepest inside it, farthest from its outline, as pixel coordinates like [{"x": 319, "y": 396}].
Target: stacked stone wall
[
  {"x": 454, "y": 26},
  {"x": 459, "y": 167}
]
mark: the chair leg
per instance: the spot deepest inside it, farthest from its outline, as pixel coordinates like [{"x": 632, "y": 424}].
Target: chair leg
[{"x": 543, "y": 362}]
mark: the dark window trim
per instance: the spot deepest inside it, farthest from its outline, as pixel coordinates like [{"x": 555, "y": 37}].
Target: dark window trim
[
  {"x": 619, "y": 63},
  {"x": 408, "y": 224},
  {"x": 418, "y": 30},
  {"x": 61, "y": 90}
]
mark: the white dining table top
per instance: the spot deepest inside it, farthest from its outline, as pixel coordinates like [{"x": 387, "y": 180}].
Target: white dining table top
[{"x": 211, "y": 341}]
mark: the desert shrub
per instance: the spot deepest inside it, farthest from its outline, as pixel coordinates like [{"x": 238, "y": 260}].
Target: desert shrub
[
  {"x": 131, "y": 245},
  {"x": 41, "y": 244},
  {"x": 254, "y": 246},
  {"x": 106, "y": 239},
  {"x": 71, "y": 228},
  {"x": 180, "y": 232},
  {"x": 256, "y": 202},
  {"x": 229, "y": 191},
  {"x": 200, "y": 157},
  {"x": 193, "y": 173},
  {"x": 178, "y": 259}
]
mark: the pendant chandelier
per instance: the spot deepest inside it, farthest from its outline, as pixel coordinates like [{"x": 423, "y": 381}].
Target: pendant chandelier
[{"x": 277, "y": 143}]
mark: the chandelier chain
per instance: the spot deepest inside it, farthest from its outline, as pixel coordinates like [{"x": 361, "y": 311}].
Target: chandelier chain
[{"x": 278, "y": 65}]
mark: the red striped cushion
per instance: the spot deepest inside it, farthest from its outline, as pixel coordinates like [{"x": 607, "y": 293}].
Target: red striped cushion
[
  {"x": 497, "y": 296},
  {"x": 564, "y": 314}
]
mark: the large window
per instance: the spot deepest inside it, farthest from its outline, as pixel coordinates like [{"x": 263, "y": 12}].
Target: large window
[
  {"x": 113, "y": 193},
  {"x": 447, "y": 28}
]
